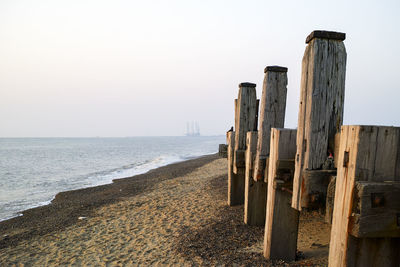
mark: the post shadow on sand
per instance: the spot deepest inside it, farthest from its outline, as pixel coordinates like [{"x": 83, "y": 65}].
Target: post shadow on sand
[{"x": 222, "y": 240}]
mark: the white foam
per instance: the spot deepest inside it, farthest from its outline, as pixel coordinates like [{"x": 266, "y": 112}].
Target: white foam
[{"x": 123, "y": 172}]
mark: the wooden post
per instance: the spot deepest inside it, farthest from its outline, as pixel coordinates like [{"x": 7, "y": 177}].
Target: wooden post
[
  {"x": 366, "y": 215},
  {"x": 222, "y": 150},
  {"x": 330, "y": 198},
  {"x": 245, "y": 121},
  {"x": 255, "y": 191},
  {"x": 232, "y": 177},
  {"x": 281, "y": 225},
  {"x": 321, "y": 104},
  {"x": 272, "y": 114}
]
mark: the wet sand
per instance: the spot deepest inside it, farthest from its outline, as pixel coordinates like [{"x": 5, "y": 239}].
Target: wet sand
[{"x": 174, "y": 215}]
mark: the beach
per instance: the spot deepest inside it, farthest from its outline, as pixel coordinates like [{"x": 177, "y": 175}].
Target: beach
[{"x": 173, "y": 215}]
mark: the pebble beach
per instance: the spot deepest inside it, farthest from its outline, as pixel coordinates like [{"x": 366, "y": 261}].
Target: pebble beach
[{"x": 175, "y": 215}]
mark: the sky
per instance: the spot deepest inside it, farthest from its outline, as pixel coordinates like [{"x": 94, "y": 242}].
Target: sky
[{"x": 146, "y": 68}]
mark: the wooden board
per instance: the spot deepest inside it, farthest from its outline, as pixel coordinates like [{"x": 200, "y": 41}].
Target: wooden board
[
  {"x": 281, "y": 225},
  {"x": 330, "y": 198},
  {"x": 321, "y": 106},
  {"x": 233, "y": 180},
  {"x": 314, "y": 187},
  {"x": 376, "y": 210},
  {"x": 255, "y": 196},
  {"x": 272, "y": 114},
  {"x": 366, "y": 153}
]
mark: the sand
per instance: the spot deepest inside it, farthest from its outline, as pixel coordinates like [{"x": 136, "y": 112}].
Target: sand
[{"x": 175, "y": 215}]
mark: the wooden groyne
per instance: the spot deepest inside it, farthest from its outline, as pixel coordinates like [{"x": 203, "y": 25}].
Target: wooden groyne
[{"x": 350, "y": 172}]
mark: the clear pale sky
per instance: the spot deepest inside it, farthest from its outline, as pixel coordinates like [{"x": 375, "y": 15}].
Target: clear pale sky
[{"x": 135, "y": 68}]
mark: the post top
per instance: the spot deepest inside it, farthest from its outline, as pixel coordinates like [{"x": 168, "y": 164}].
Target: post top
[
  {"x": 275, "y": 68},
  {"x": 247, "y": 84},
  {"x": 340, "y": 36}
]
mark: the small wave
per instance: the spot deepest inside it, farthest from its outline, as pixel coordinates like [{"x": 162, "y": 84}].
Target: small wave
[
  {"x": 10, "y": 217},
  {"x": 106, "y": 177}
]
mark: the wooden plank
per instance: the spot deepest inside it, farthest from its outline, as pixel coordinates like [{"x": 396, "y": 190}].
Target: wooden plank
[
  {"x": 255, "y": 191},
  {"x": 314, "y": 188},
  {"x": 307, "y": 70},
  {"x": 373, "y": 198},
  {"x": 378, "y": 225},
  {"x": 240, "y": 156},
  {"x": 281, "y": 225},
  {"x": 375, "y": 252},
  {"x": 344, "y": 186},
  {"x": 321, "y": 106},
  {"x": 232, "y": 177},
  {"x": 336, "y": 149},
  {"x": 378, "y": 162},
  {"x": 230, "y": 140},
  {"x": 326, "y": 35},
  {"x": 360, "y": 159},
  {"x": 376, "y": 210},
  {"x": 272, "y": 114},
  {"x": 330, "y": 198}
]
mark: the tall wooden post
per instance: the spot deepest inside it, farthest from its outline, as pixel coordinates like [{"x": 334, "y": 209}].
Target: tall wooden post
[
  {"x": 272, "y": 114},
  {"x": 321, "y": 106},
  {"x": 281, "y": 225},
  {"x": 366, "y": 215},
  {"x": 245, "y": 121}
]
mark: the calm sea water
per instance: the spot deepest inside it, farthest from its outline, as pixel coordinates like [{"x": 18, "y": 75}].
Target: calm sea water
[{"x": 34, "y": 170}]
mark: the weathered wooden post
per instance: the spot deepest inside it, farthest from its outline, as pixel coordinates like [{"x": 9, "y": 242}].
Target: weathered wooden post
[
  {"x": 320, "y": 115},
  {"x": 366, "y": 216},
  {"x": 245, "y": 120},
  {"x": 249, "y": 194},
  {"x": 281, "y": 225},
  {"x": 223, "y": 150},
  {"x": 272, "y": 114},
  {"x": 230, "y": 140}
]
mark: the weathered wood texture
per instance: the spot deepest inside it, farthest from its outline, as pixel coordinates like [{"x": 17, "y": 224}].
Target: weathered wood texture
[
  {"x": 336, "y": 149},
  {"x": 321, "y": 106},
  {"x": 314, "y": 188},
  {"x": 255, "y": 195},
  {"x": 281, "y": 225},
  {"x": 232, "y": 177},
  {"x": 223, "y": 150},
  {"x": 376, "y": 210},
  {"x": 330, "y": 200},
  {"x": 367, "y": 155},
  {"x": 326, "y": 35},
  {"x": 272, "y": 114},
  {"x": 245, "y": 121},
  {"x": 246, "y": 108}
]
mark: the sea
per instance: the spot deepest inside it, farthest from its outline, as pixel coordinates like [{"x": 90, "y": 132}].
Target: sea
[{"x": 34, "y": 170}]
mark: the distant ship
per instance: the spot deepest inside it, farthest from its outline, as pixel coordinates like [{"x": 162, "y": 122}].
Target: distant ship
[{"x": 192, "y": 129}]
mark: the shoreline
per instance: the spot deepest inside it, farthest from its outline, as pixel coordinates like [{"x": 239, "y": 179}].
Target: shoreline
[
  {"x": 108, "y": 182},
  {"x": 176, "y": 214},
  {"x": 84, "y": 200}
]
